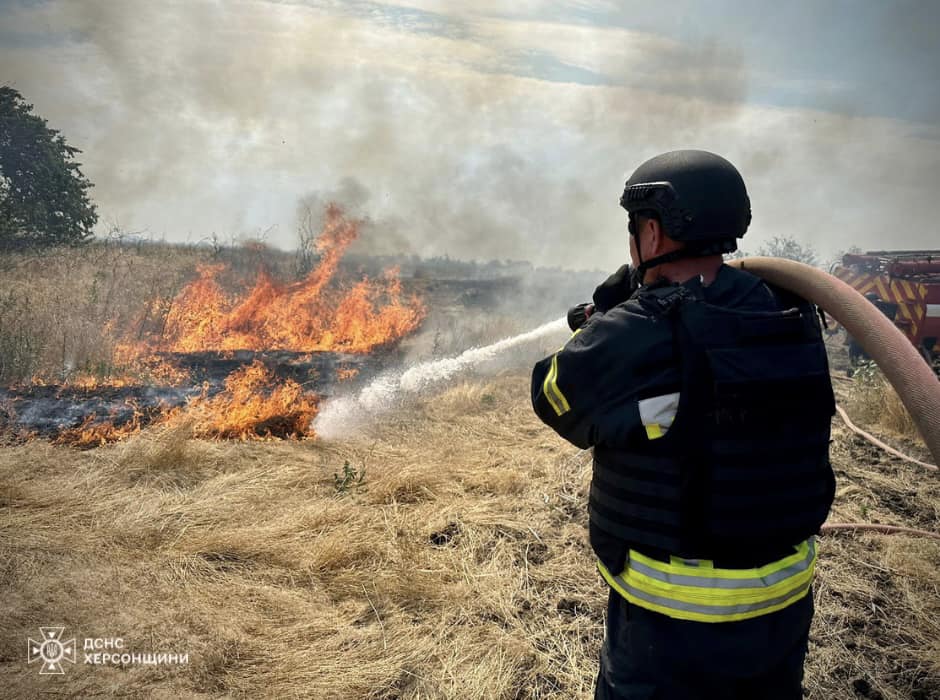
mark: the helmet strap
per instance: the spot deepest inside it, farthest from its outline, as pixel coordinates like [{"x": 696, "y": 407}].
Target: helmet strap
[
  {"x": 640, "y": 270},
  {"x": 688, "y": 251}
]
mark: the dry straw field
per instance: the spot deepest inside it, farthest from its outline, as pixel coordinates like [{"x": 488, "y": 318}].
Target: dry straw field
[
  {"x": 440, "y": 554},
  {"x": 458, "y": 567}
]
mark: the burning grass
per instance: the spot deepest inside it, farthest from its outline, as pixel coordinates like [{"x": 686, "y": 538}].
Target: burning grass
[
  {"x": 458, "y": 567},
  {"x": 308, "y": 315},
  {"x": 150, "y": 342},
  {"x": 252, "y": 404}
]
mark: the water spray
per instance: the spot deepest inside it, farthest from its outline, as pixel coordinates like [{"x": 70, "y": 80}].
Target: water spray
[{"x": 385, "y": 392}]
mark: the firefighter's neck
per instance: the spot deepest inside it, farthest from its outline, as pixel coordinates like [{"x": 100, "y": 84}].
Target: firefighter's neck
[{"x": 684, "y": 269}]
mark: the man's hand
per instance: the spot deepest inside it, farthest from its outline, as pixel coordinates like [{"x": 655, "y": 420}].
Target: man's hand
[
  {"x": 578, "y": 315},
  {"x": 616, "y": 289}
]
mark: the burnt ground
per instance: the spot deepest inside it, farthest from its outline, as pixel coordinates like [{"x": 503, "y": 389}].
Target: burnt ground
[{"x": 46, "y": 410}]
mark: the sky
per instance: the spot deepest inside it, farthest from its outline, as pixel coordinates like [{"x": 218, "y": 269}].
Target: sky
[{"x": 487, "y": 130}]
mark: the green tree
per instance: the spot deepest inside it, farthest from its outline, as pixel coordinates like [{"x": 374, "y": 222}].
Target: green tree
[
  {"x": 790, "y": 248},
  {"x": 43, "y": 193}
]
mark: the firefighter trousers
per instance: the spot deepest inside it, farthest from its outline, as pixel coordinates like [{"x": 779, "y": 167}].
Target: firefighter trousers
[{"x": 648, "y": 655}]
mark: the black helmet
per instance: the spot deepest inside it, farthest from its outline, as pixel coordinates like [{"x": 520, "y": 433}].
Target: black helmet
[{"x": 699, "y": 197}]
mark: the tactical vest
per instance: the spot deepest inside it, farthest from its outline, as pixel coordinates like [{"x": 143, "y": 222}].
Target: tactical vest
[{"x": 743, "y": 471}]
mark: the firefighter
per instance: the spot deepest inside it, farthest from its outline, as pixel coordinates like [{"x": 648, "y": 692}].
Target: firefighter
[{"x": 705, "y": 395}]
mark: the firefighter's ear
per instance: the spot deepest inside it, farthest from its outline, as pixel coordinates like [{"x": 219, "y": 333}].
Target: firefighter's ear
[{"x": 654, "y": 231}]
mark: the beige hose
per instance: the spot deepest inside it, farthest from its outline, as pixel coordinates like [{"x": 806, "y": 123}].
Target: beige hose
[
  {"x": 903, "y": 366},
  {"x": 878, "y": 443}
]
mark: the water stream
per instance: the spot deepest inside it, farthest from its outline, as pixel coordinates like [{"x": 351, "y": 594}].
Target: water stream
[{"x": 385, "y": 392}]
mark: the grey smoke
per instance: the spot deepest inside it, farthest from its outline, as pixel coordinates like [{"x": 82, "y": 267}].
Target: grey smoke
[
  {"x": 465, "y": 132},
  {"x": 377, "y": 236}
]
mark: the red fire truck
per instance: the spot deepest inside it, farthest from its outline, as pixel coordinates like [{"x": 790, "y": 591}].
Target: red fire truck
[{"x": 909, "y": 281}]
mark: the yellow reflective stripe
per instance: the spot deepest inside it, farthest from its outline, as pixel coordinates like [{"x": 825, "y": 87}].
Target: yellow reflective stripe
[
  {"x": 704, "y": 593},
  {"x": 714, "y": 596},
  {"x": 691, "y": 570},
  {"x": 865, "y": 288},
  {"x": 696, "y": 616},
  {"x": 653, "y": 431},
  {"x": 546, "y": 388},
  {"x": 879, "y": 283},
  {"x": 693, "y": 616},
  {"x": 550, "y": 388}
]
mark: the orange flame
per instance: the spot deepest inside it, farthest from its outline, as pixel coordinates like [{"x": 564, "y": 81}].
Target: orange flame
[
  {"x": 253, "y": 405},
  {"x": 314, "y": 314},
  {"x": 304, "y": 316},
  {"x": 344, "y": 373},
  {"x": 92, "y": 433}
]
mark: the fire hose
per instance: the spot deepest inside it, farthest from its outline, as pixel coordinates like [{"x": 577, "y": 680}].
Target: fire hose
[
  {"x": 903, "y": 366},
  {"x": 878, "y": 443}
]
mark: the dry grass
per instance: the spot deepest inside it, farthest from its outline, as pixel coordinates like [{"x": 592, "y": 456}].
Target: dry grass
[
  {"x": 60, "y": 310},
  {"x": 435, "y": 579},
  {"x": 877, "y": 629},
  {"x": 460, "y": 567},
  {"x": 63, "y": 310},
  {"x": 875, "y": 402}
]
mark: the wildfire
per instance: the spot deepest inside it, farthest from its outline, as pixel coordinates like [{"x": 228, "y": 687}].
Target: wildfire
[
  {"x": 314, "y": 315},
  {"x": 93, "y": 432},
  {"x": 304, "y": 316},
  {"x": 253, "y": 405}
]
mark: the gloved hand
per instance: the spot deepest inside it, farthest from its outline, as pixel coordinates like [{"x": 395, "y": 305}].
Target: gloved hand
[
  {"x": 616, "y": 289},
  {"x": 578, "y": 315}
]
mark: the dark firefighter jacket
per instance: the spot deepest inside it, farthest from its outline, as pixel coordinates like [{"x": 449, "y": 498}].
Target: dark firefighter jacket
[{"x": 738, "y": 470}]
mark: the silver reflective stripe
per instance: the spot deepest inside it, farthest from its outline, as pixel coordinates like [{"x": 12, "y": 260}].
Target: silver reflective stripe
[
  {"x": 711, "y": 609},
  {"x": 659, "y": 410},
  {"x": 712, "y": 582}
]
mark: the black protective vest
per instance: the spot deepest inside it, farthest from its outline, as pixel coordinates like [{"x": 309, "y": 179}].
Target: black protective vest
[{"x": 744, "y": 469}]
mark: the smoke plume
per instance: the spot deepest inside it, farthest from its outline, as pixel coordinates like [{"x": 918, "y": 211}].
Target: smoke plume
[{"x": 467, "y": 133}]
